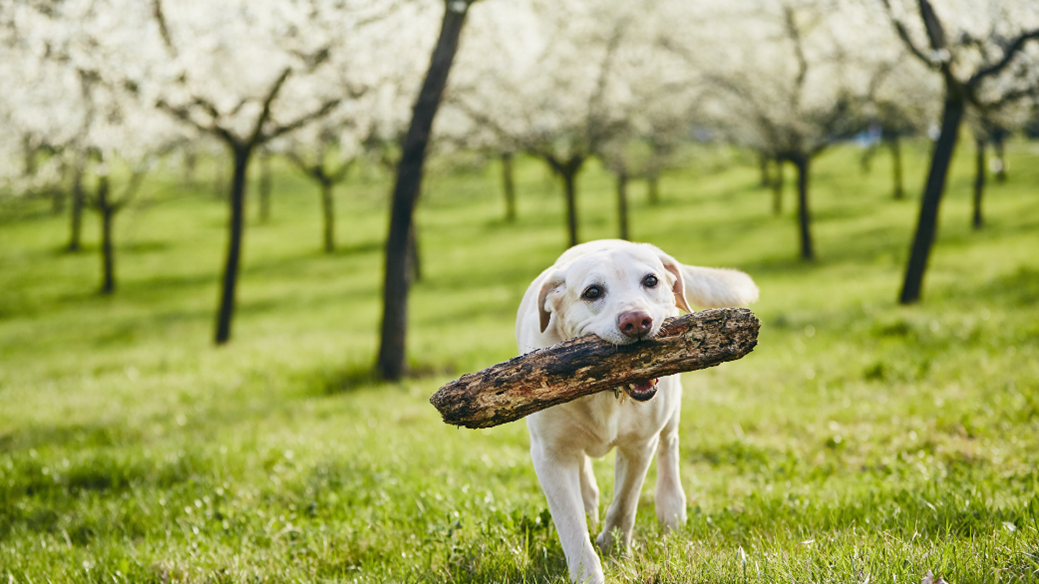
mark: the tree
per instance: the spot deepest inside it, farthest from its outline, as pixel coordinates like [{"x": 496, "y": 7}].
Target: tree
[
  {"x": 274, "y": 82},
  {"x": 798, "y": 83},
  {"x": 539, "y": 78},
  {"x": 990, "y": 126},
  {"x": 980, "y": 54},
  {"x": 391, "y": 364},
  {"x": 41, "y": 109},
  {"x": 326, "y": 161},
  {"x": 902, "y": 100},
  {"x": 105, "y": 123}
]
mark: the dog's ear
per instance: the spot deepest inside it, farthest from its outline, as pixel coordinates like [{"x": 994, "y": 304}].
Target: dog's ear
[
  {"x": 551, "y": 284},
  {"x": 718, "y": 287},
  {"x": 675, "y": 268}
]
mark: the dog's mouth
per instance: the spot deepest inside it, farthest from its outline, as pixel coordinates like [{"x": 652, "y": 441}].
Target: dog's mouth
[{"x": 641, "y": 390}]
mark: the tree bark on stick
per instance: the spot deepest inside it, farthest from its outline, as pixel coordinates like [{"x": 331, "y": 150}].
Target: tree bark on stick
[
  {"x": 391, "y": 361},
  {"x": 587, "y": 365}
]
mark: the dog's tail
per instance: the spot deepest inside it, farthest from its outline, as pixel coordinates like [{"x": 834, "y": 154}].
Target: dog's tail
[{"x": 718, "y": 287}]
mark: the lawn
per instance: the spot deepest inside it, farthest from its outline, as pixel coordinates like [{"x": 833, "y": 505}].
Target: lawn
[{"x": 862, "y": 441}]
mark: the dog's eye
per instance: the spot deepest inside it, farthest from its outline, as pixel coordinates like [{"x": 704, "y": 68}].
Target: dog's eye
[
  {"x": 591, "y": 293},
  {"x": 650, "y": 281}
]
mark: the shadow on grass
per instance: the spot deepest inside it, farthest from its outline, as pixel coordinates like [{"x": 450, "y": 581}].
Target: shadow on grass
[
  {"x": 1018, "y": 288},
  {"x": 358, "y": 376}
]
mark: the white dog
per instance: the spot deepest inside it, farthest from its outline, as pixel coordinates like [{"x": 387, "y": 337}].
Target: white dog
[{"x": 621, "y": 292}]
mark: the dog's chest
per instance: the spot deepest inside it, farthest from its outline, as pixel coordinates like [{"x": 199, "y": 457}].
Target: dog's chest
[{"x": 609, "y": 421}]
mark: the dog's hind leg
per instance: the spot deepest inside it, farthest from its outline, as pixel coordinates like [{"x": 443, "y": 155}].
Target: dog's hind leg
[{"x": 590, "y": 493}]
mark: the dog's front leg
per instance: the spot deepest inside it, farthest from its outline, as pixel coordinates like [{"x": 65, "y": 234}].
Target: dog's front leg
[
  {"x": 670, "y": 496},
  {"x": 630, "y": 472},
  {"x": 559, "y": 474},
  {"x": 589, "y": 492}
]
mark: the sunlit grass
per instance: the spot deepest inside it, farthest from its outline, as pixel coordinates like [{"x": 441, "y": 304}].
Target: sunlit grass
[{"x": 860, "y": 441}]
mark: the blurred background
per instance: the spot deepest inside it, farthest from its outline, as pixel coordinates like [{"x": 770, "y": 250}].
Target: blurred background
[{"x": 242, "y": 242}]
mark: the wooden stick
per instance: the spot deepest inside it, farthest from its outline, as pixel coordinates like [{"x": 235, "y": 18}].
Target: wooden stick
[{"x": 577, "y": 367}]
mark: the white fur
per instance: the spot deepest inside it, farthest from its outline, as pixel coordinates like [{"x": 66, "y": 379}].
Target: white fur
[{"x": 563, "y": 437}]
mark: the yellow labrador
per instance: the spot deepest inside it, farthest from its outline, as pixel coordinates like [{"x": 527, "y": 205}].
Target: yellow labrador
[{"x": 621, "y": 292}]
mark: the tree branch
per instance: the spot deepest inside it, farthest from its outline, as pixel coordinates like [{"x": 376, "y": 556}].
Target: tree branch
[
  {"x": 184, "y": 115},
  {"x": 164, "y": 31},
  {"x": 795, "y": 35},
  {"x": 903, "y": 33},
  {"x": 301, "y": 121},
  {"x": 935, "y": 32},
  {"x": 1008, "y": 55},
  {"x": 257, "y": 133}
]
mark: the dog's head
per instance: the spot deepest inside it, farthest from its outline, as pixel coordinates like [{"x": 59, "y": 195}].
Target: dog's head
[{"x": 621, "y": 294}]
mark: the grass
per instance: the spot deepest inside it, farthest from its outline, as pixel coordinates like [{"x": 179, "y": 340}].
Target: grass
[{"x": 861, "y": 441}]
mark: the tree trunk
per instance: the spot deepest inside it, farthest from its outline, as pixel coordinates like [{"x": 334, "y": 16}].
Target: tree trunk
[
  {"x": 414, "y": 258},
  {"x": 570, "y": 188},
  {"x": 76, "y": 226},
  {"x": 190, "y": 165},
  {"x": 766, "y": 180},
  {"x": 107, "y": 211},
  {"x": 587, "y": 365},
  {"x": 926, "y": 227},
  {"x": 265, "y": 191},
  {"x": 509, "y": 186},
  {"x": 777, "y": 188},
  {"x": 622, "y": 204},
  {"x": 391, "y": 361},
  {"x": 999, "y": 146},
  {"x": 804, "y": 218},
  {"x": 895, "y": 145},
  {"x": 328, "y": 211},
  {"x": 236, "y": 225},
  {"x": 979, "y": 181},
  {"x": 653, "y": 183}
]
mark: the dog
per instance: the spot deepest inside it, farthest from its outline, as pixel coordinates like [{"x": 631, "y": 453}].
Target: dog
[{"x": 622, "y": 292}]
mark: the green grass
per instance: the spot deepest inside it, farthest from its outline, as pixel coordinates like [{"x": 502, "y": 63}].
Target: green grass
[{"x": 861, "y": 441}]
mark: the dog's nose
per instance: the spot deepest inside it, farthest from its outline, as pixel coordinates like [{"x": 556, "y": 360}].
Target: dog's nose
[{"x": 635, "y": 323}]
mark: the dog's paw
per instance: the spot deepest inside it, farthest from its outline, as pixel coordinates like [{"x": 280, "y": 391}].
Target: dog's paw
[{"x": 612, "y": 542}]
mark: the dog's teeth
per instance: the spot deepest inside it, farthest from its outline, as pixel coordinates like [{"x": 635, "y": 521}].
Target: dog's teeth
[{"x": 631, "y": 386}]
